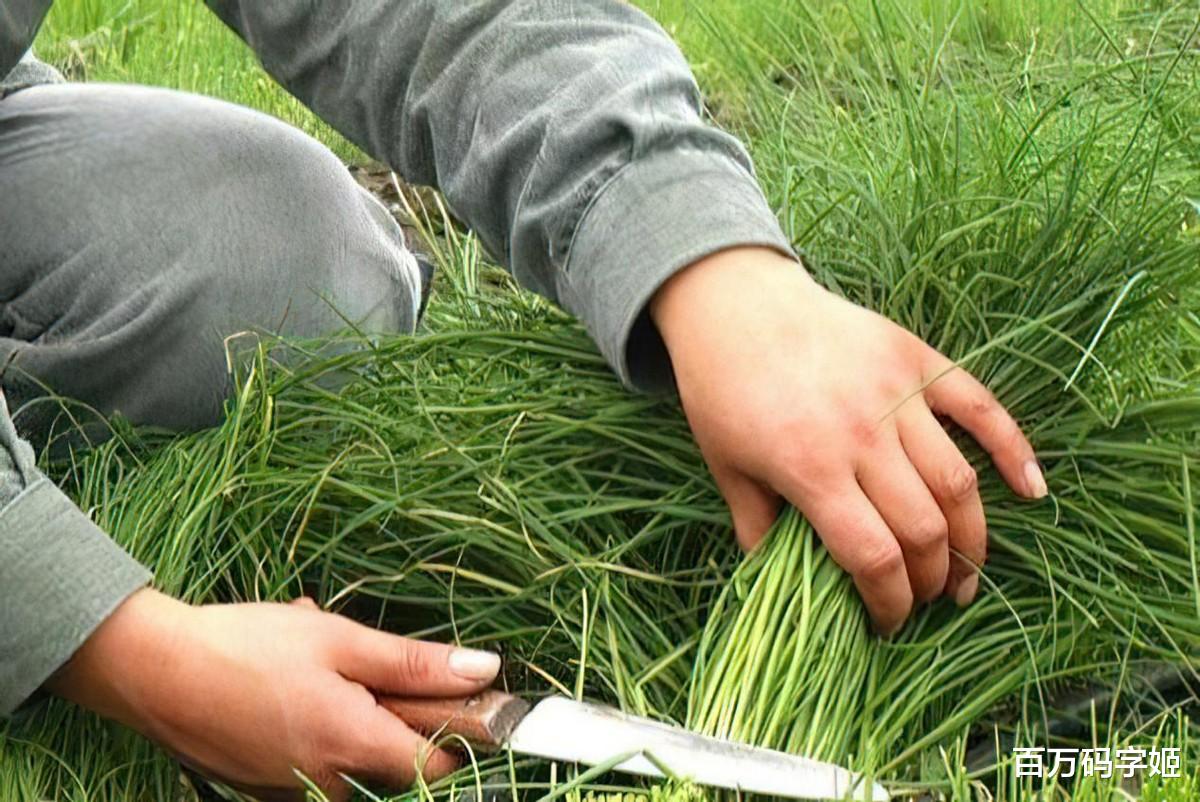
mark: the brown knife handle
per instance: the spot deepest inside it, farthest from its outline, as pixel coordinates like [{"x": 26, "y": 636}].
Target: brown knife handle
[{"x": 485, "y": 720}]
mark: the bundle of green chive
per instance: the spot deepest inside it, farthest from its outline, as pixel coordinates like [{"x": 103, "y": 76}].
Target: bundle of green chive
[{"x": 489, "y": 482}]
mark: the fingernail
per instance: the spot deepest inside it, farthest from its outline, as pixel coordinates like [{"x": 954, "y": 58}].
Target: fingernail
[
  {"x": 966, "y": 590},
  {"x": 474, "y": 665},
  {"x": 1035, "y": 483}
]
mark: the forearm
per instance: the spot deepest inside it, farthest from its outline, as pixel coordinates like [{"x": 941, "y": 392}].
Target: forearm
[
  {"x": 60, "y": 575},
  {"x": 567, "y": 135}
]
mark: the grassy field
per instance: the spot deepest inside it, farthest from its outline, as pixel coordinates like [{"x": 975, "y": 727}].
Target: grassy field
[{"x": 1015, "y": 181}]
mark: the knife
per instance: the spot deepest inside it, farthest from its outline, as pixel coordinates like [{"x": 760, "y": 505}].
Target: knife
[{"x": 563, "y": 729}]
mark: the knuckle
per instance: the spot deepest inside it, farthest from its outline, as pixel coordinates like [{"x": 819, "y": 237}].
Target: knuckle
[
  {"x": 411, "y": 667},
  {"x": 794, "y": 430},
  {"x": 796, "y": 436},
  {"x": 865, "y": 433},
  {"x": 881, "y": 562},
  {"x": 805, "y": 472},
  {"x": 960, "y": 482},
  {"x": 1011, "y": 437},
  {"x": 329, "y": 780},
  {"x": 335, "y": 636},
  {"x": 981, "y": 404},
  {"x": 794, "y": 468},
  {"x": 996, "y": 421},
  {"x": 928, "y": 534},
  {"x": 964, "y": 564}
]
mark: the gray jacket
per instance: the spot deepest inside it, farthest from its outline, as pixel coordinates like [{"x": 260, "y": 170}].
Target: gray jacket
[{"x": 566, "y": 133}]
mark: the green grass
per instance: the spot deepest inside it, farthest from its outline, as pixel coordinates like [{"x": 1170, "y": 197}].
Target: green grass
[{"x": 1010, "y": 180}]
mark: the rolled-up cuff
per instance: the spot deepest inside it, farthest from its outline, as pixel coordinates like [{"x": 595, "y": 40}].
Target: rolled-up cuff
[
  {"x": 656, "y": 216},
  {"x": 60, "y": 577}
]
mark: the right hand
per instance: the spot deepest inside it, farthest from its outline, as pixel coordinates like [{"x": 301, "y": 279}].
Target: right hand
[
  {"x": 795, "y": 393},
  {"x": 253, "y": 693}
]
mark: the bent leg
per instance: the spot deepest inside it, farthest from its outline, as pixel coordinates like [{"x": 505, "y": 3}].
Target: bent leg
[{"x": 139, "y": 228}]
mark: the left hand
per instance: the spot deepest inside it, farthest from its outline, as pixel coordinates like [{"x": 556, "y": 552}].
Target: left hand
[{"x": 253, "y": 693}]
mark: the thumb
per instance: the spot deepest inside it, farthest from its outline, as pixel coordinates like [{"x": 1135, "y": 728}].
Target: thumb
[
  {"x": 752, "y": 506},
  {"x": 391, "y": 664}
]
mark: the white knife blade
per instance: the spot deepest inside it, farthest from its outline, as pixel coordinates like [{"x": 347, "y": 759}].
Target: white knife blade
[{"x": 563, "y": 729}]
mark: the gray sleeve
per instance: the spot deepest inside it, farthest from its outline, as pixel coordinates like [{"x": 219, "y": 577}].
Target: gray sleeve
[
  {"x": 60, "y": 575},
  {"x": 19, "y": 22},
  {"x": 566, "y": 133}
]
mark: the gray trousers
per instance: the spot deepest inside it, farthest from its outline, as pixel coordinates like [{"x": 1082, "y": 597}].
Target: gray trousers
[{"x": 140, "y": 228}]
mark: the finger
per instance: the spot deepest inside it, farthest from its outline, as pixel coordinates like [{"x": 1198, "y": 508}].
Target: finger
[
  {"x": 305, "y": 602},
  {"x": 391, "y": 753},
  {"x": 753, "y": 507},
  {"x": 393, "y": 664},
  {"x": 336, "y": 793},
  {"x": 957, "y": 394},
  {"x": 860, "y": 542},
  {"x": 952, "y": 481},
  {"x": 260, "y": 792},
  {"x": 910, "y": 512}
]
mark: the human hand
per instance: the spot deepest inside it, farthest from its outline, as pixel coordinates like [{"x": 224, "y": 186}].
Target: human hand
[
  {"x": 792, "y": 391},
  {"x": 251, "y": 693}
]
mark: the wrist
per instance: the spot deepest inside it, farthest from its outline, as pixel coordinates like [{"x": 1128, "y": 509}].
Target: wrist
[
  {"x": 114, "y": 670},
  {"x": 703, "y": 292}
]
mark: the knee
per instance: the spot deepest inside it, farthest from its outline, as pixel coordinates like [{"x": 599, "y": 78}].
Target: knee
[
  {"x": 299, "y": 241},
  {"x": 286, "y": 240},
  {"x": 148, "y": 226}
]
